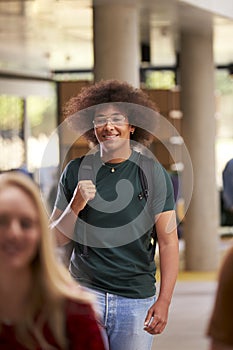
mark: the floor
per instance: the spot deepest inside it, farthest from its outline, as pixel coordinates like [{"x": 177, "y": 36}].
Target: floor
[
  {"x": 188, "y": 319},
  {"x": 190, "y": 310}
]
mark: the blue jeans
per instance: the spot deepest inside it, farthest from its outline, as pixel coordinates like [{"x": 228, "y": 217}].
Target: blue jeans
[{"x": 123, "y": 321}]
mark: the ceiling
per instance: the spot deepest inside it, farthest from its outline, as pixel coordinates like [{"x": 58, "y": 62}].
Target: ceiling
[{"x": 40, "y": 36}]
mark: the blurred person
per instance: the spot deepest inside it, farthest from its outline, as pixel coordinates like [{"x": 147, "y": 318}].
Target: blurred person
[
  {"x": 112, "y": 244},
  {"x": 220, "y": 328},
  {"x": 41, "y": 307},
  {"x": 227, "y": 194}
]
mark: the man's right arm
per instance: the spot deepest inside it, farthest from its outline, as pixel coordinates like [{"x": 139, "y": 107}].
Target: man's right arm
[
  {"x": 62, "y": 225},
  {"x": 63, "y": 222}
]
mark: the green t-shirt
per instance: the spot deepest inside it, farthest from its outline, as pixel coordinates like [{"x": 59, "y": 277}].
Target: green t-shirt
[{"x": 115, "y": 227}]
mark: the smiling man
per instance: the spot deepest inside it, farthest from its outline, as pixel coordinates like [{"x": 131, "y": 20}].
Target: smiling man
[{"x": 107, "y": 217}]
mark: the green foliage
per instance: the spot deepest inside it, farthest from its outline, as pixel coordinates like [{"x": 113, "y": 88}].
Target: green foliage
[
  {"x": 160, "y": 80},
  {"x": 37, "y": 109},
  {"x": 224, "y": 82},
  {"x": 11, "y": 112},
  {"x": 40, "y": 111}
]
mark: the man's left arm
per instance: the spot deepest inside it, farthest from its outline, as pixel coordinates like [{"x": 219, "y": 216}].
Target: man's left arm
[{"x": 166, "y": 229}]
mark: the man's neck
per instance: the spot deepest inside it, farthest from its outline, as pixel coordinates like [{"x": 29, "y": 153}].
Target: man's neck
[{"x": 115, "y": 157}]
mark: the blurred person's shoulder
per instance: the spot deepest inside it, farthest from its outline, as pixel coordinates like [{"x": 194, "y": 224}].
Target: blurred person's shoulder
[
  {"x": 227, "y": 265},
  {"x": 81, "y": 306}
]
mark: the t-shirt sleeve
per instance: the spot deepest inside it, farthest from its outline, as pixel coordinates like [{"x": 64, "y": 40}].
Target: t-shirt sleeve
[
  {"x": 220, "y": 325},
  {"x": 163, "y": 191}
]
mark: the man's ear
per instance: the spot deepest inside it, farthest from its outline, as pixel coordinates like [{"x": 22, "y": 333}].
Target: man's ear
[{"x": 132, "y": 129}]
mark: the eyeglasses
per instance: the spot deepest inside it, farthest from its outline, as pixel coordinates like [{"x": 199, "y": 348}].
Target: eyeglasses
[{"x": 115, "y": 119}]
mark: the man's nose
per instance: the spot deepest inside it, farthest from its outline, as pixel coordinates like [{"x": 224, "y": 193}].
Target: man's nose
[{"x": 109, "y": 123}]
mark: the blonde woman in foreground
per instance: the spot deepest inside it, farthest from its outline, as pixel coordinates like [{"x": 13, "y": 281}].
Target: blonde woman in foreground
[{"x": 40, "y": 306}]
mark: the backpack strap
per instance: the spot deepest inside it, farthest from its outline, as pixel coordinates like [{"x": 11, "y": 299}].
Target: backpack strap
[
  {"x": 146, "y": 166},
  {"x": 86, "y": 169},
  {"x": 86, "y": 172}
]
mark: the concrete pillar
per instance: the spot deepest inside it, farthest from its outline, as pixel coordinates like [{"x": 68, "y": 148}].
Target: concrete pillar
[
  {"x": 198, "y": 105},
  {"x": 116, "y": 42}
]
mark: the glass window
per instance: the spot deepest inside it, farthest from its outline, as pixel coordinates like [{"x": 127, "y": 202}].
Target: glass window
[{"x": 12, "y": 153}]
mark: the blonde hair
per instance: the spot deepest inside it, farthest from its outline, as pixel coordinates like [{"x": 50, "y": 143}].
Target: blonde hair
[{"x": 52, "y": 283}]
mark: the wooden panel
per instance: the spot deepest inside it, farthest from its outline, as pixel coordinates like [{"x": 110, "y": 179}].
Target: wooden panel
[
  {"x": 66, "y": 90},
  {"x": 174, "y": 99},
  {"x": 161, "y": 99}
]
